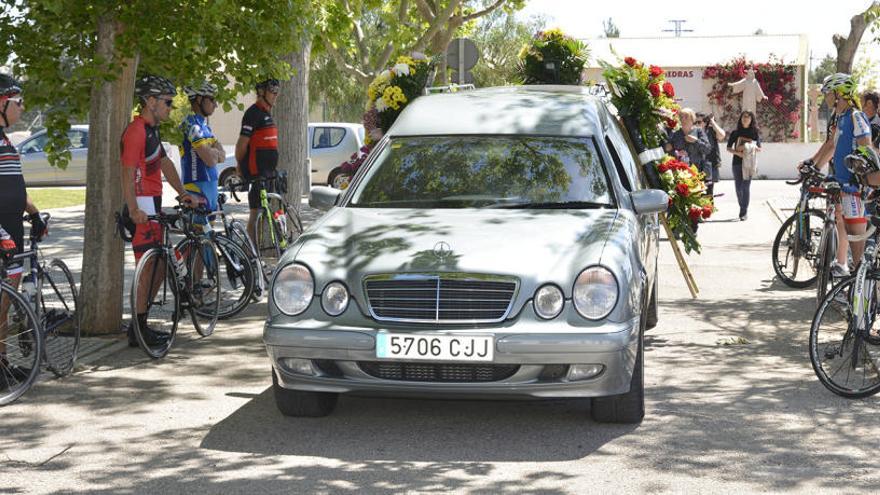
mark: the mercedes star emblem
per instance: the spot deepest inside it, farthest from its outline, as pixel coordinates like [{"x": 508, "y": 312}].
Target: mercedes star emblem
[{"x": 442, "y": 250}]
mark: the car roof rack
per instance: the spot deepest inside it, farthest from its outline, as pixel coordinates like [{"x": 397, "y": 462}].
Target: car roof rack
[{"x": 452, "y": 88}]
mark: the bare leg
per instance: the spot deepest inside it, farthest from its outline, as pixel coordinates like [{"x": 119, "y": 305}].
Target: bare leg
[{"x": 842, "y": 241}]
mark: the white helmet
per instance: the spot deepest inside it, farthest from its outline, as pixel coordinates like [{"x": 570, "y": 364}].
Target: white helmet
[
  {"x": 834, "y": 81},
  {"x": 203, "y": 89}
]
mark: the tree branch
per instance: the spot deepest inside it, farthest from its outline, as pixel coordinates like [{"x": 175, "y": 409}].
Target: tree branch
[
  {"x": 363, "y": 55},
  {"x": 438, "y": 22},
  {"x": 401, "y": 13},
  {"x": 487, "y": 10},
  {"x": 425, "y": 10},
  {"x": 337, "y": 56}
]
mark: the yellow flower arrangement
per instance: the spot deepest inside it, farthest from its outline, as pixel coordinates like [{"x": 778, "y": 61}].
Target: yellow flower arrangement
[{"x": 393, "y": 96}]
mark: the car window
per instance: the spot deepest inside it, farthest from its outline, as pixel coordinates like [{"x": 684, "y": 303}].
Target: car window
[
  {"x": 78, "y": 140},
  {"x": 628, "y": 157},
  {"x": 485, "y": 172},
  {"x": 618, "y": 165},
  {"x": 35, "y": 145},
  {"x": 327, "y": 137}
]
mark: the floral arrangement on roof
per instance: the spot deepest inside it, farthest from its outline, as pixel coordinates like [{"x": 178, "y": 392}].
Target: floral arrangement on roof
[
  {"x": 778, "y": 115},
  {"x": 688, "y": 202},
  {"x": 392, "y": 90},
  {"x": 644, "y": 99},
  {"x": 551, "y": 57}
]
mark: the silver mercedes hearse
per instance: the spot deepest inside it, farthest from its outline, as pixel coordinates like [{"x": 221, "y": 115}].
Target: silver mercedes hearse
[{"x": 498, "y": 243}]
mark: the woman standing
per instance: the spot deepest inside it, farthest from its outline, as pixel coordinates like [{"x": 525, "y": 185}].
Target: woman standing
[{"x": 745, "y": 140}]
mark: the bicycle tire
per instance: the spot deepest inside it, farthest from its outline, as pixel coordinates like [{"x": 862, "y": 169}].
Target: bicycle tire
[
  {"x": 268, "y": 242},
  {"x": 237, "y": 277},
  {"x": 237, "y": 232},
  {"x": 24, "y": 348},
  {"x": 60, "y": 317},
  {"x": 828, "y": 251},
  {"x": 787, "y": 236},
  {"x": 832, "y": 317},
  {"x": 163, "y": 307},
  {"x": 202, "y": 295}
]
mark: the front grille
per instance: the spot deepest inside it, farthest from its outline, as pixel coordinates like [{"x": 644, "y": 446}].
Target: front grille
[
  {"x": 440, "y": 298},
  {"x": 432, "y": 372}
]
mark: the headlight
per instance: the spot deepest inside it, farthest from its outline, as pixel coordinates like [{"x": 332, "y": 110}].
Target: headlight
[
  {"x": 595, "y": 293},
  {"x": 335, "y": 298},
  {"x": 293, "y": 289},
  {"x": 549, "y": 301}
]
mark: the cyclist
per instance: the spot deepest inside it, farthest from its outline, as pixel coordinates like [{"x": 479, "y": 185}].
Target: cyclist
[
  {"x": 871, "y": 106},
  {"x": 143, "y": 163},
  {"x": 851, "y": 131},
  {"x": 201, "y": 151},
  {"x": 14, "y": 201},
  {"x": 256, "y": 151}
]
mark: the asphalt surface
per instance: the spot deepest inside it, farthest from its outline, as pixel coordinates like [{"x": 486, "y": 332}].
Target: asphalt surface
[{"x": 732, "y": 407}]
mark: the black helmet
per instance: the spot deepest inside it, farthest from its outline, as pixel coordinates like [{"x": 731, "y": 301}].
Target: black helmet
[
  {"x": 150, "y": 85},
  {"x": 272, "y": 85},
  {"x": 9, "y": 86},
  {"x": 203, "y": 89}
]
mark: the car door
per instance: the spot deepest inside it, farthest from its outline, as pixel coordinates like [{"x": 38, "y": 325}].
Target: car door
[
  {"x": 34, "y": 164},
  {"x": 75, "y": 173},
  {"x": 329, "y": 149}
]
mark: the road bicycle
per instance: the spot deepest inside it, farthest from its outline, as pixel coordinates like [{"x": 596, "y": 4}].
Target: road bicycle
[
  {"x": 172, "y": 279},
  {"x": 827, "y": 249},
  {"x": 844, "y": 348},
  {"x": 235, "y": 230},
  {"x": 796, "y": 246},
  {"x": 46, "y": 330}
]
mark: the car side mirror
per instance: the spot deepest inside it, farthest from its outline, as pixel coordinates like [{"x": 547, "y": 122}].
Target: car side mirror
[
  {"x": 649, "y": 201},
  {"x": 323, "y": 197}
]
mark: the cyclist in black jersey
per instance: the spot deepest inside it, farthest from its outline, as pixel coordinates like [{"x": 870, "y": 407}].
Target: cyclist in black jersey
[{"x": 14, "y": 202}]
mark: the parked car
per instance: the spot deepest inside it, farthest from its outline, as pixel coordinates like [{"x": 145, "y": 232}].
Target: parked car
[
  {"x": 497, "y": 243},
  {"x": 38, "y": 172},
  {"x": 330, "y": 144}
]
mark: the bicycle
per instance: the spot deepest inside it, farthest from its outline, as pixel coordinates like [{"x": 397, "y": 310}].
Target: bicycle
[
  {"x": 840, "y": 334},
  {"x": 797, "y": 241},
  {"x": 21, "y": 339},
  {"x": 277, "y": 223},
  {"x": 235, "y": 230},
  {"x": 827, "y": 249},
  {"x": 170, "y": 280}
]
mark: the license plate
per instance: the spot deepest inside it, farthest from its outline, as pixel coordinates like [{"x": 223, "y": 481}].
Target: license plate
[{"x": 435, "y": 347}]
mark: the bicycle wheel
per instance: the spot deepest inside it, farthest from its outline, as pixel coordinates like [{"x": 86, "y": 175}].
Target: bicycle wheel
[
  {"x": 22, "y": 340},
  {"x": 795, "y": 248},
  {"x": 268, "y": 240},
  {"x": 827, "y": 253},
  {"x": 236, "y": 277},
  {"x": 289, "y": 223},
  {"x": 156, "y": 319},
  {"x": 844, "y": 361},
  {"x": 59, "y": 317},
  {"x": 202, "y": 283}
]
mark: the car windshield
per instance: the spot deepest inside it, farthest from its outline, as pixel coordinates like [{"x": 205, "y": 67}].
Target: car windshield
[{"x": 524, "y": 172}]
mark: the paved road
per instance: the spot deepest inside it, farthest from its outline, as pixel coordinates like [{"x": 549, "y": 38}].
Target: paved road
[{"x": 720, "y": 418}]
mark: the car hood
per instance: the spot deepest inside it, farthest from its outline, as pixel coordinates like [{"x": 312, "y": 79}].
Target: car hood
[{"x": 537, "y": 246}]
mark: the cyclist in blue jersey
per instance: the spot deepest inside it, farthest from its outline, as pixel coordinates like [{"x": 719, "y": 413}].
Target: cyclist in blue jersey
[{"x": 201, "y": 152}]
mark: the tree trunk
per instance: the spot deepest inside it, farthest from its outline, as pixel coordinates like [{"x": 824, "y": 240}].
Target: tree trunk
[
  {"x": 846, "y": 47},
  {"x": 292, "y": 112},
  {"x": 109, "y": 112}
]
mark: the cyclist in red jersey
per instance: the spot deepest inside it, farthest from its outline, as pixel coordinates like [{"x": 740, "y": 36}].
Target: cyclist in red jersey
[
  {"x": 256, "y": 151},
  {"x": 143, "y": 163}
]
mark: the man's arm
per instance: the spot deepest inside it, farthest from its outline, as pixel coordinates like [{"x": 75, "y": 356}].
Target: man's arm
[
  {"x": 719, "y": 132},
  {"x": 170, "y": 173},
  {"x": 29, "y": 206},
  {"x": 208, "y": 154},
  {"x": 128, "y": 194},
  {"x": 241, "y": 149}
]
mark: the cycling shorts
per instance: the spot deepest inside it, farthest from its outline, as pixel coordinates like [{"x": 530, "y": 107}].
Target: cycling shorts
[
  {"x": 852, "y": 208},
  {"x": 147, "y": 235},
  {"x": 254, "y": 193}
]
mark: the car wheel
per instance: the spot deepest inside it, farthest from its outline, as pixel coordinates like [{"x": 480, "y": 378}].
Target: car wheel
[
  {"x": 338, "y": 179},
  {"x": 652, "y": 315},
  {"x": 301, "y": 404},
  {"x": 225, "y": 177},
  {"x": 630, "y": 406}
]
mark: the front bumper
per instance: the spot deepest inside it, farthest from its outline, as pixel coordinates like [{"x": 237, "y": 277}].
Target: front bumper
[{"x": 536, "y": 347}]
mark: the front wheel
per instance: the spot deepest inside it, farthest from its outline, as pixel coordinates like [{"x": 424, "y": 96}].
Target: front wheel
[
  {"x": 155, "y": 305},
  {"x": 795, "y": 248},
  {"x": 59, "y": 317},
  {"x": 843, "y": 359},
  {"x": 202, "y": 283},
  {"x": 300, "y": 403},
  {"x": 22, "y": 340},
  {"x": 236, "y": 277}
]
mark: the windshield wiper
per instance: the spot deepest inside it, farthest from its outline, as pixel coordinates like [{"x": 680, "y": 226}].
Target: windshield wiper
[{"x": 557, "y": 205}]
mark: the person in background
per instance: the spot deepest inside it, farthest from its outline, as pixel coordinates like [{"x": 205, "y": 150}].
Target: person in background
[
  {"x": 715, "y": 134},
  {"x": 738, "y": 143},
  {"x": 870, "y": 104}
]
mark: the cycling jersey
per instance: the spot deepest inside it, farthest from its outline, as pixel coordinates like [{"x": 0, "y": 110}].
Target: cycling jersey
[
  {"x": 851, "y": 126},
  {"x": 261, "y": 157},
  {"x": 196, "y": 133},
  {"x": 142, "y": 150},
  {"x": 13, "y": 196}
]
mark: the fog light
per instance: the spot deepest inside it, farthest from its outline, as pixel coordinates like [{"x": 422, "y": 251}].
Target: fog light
[
  {"x": 299, "y": 366},
  {"x": 584, "y": 371}
]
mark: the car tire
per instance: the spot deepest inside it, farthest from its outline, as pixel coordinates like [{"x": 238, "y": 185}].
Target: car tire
[
  {"x": 652, "y": 316},
  {"x": 334, "y": 176},
  {"x": 628, "y": 407},
  {"x": 301, "y": 404},
  {"x": 225, "y": 175}
]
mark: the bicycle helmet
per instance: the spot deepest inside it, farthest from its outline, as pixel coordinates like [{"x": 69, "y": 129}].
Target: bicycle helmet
[
  {"x": 273, "y": 85},
  {"x": 9, "y": 86},
  {"x": 842, "y": 84},
  {"x": 202, "y": 89},
  {"x": 151, "y": 85},
  {"x": 862, "y": 162}
]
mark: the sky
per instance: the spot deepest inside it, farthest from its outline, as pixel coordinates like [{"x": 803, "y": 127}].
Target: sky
[{"x": 583, "y": 18}]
